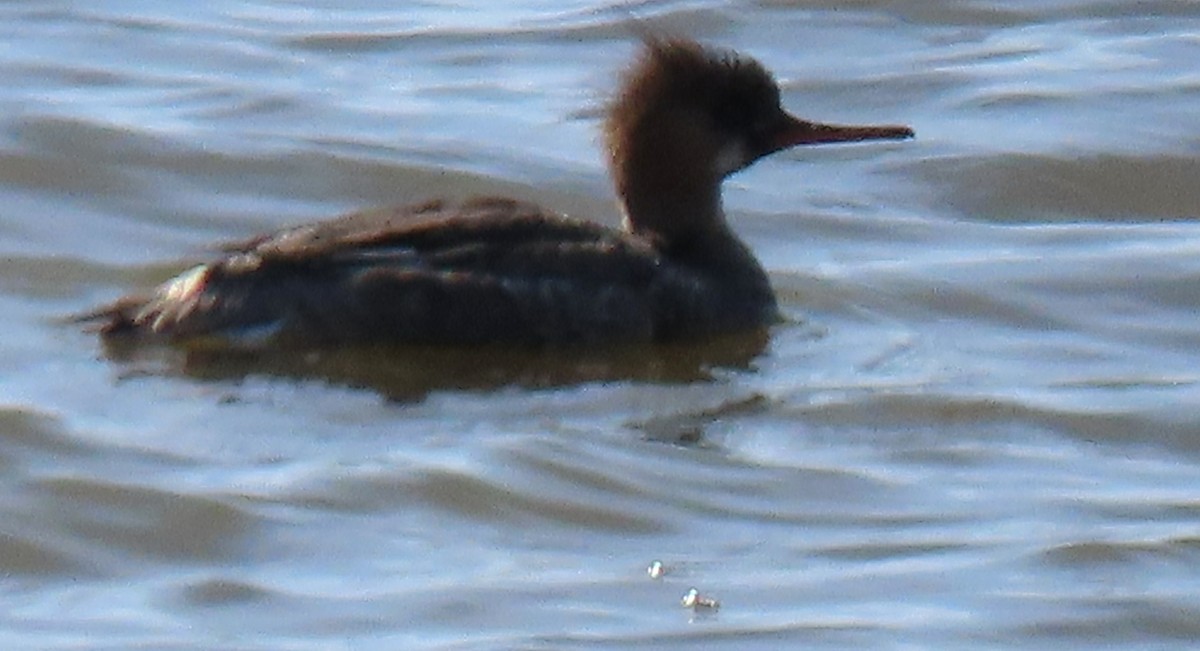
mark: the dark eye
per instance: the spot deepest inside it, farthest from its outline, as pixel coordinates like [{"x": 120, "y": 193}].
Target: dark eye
[
  {"x": 731, "y": 112},
  {"x": 765, "y": 122},
  {"x": 748, "y": 101}
]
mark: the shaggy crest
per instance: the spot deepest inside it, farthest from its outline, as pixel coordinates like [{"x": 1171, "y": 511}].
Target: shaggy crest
[{"x": 739, "y": 95}]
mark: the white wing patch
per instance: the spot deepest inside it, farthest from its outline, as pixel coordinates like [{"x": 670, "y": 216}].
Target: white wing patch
[
  {"x": 186, "y": 286},
  {"x": 175, "y": 298}
]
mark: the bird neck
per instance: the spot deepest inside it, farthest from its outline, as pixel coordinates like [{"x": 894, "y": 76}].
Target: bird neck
[
  {"x": 672, "y": 211},
  {"x": 669, "y": 195}
]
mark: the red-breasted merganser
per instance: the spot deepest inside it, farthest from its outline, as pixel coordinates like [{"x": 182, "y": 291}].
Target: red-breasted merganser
[{"x": 499, "y": 270}]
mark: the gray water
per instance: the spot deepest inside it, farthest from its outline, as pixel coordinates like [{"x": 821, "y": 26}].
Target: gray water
[{"x": 976, "y": 429}]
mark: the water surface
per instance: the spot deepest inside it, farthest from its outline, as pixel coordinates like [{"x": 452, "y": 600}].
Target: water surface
[{"x": 976, "y": 428}]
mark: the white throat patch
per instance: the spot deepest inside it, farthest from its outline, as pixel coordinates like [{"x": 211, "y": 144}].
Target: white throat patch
[{"x": 731, "y": 158}]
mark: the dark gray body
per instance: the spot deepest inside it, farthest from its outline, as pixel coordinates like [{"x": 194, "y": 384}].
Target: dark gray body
[{"x": 488, "y": 270}]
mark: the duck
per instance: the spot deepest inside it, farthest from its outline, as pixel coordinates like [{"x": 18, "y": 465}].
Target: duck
[{"x": 494, "y": 270}]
